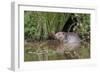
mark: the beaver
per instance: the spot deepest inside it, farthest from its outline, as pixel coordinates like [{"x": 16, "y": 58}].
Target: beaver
[{"x": 71, "y": 41}]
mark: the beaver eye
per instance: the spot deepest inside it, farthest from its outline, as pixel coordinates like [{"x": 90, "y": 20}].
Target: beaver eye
[{"x": 63, "y": 33}]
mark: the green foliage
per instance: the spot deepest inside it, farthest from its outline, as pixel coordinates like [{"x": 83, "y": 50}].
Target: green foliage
[
  {"x": 39, "y": 24},
  {"x": 84, "y": 26}
]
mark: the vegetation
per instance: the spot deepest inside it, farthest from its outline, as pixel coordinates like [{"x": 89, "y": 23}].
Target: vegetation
[{"x": 37, "y": 27}]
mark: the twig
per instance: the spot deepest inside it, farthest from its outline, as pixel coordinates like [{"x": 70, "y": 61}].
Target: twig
[{"x": 71, "y": 26}]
